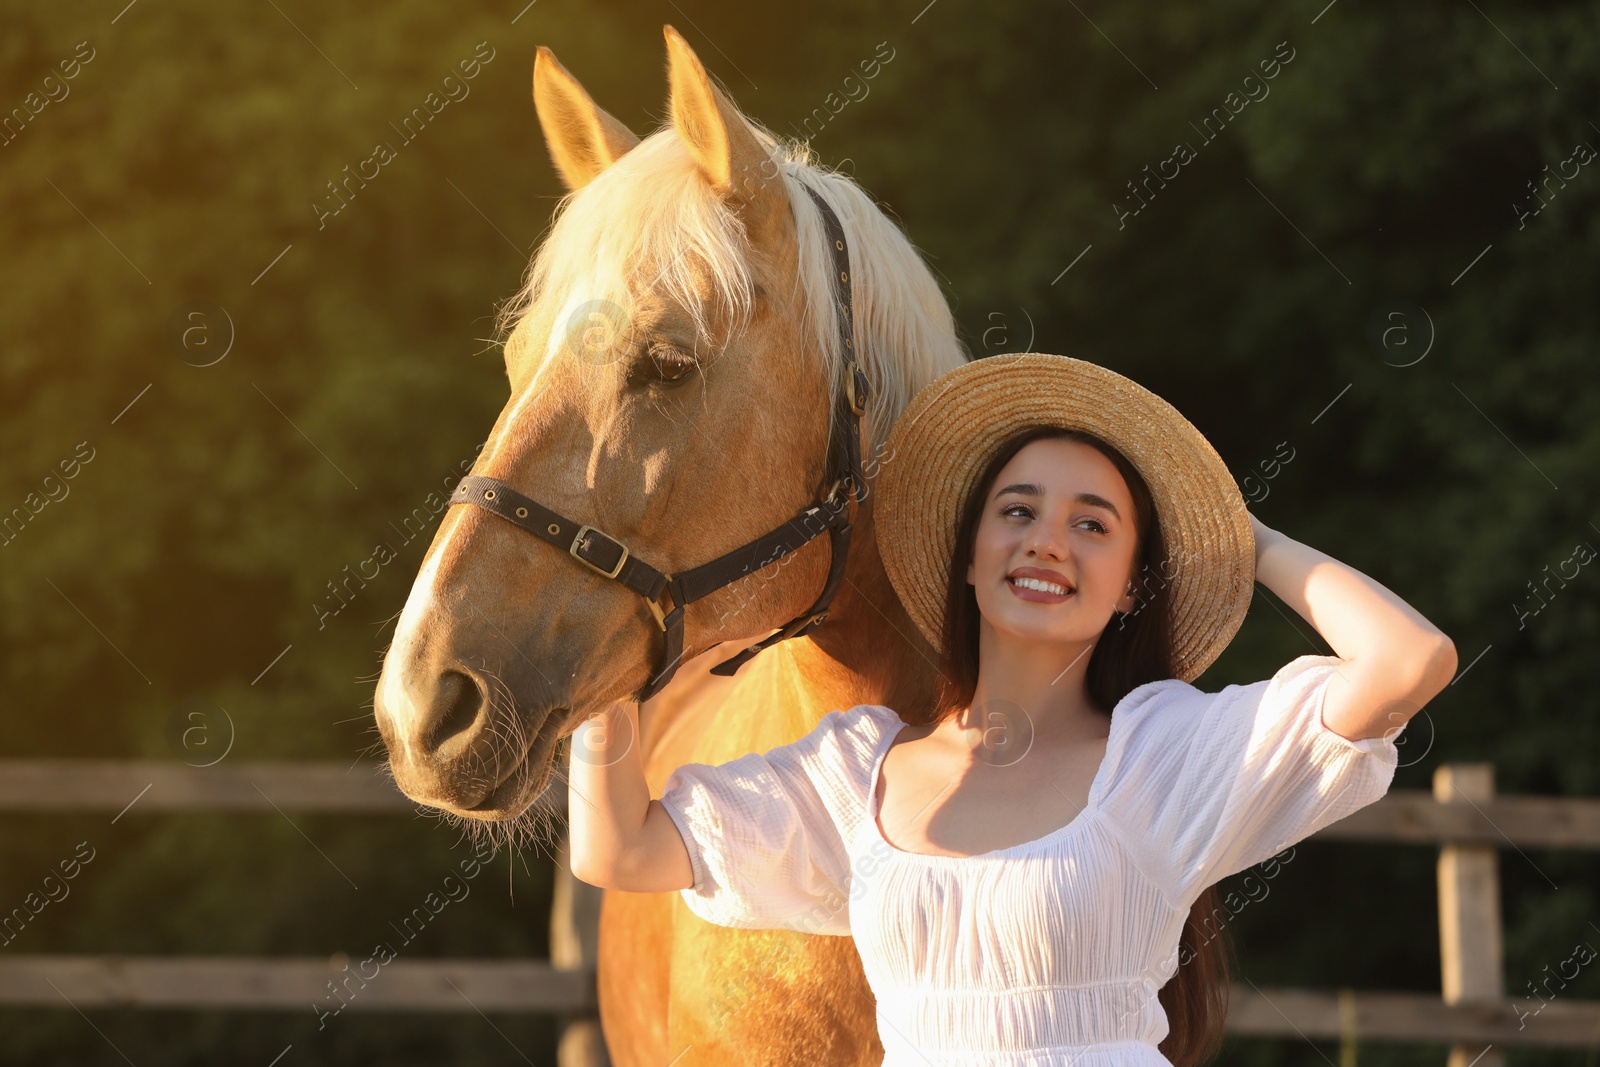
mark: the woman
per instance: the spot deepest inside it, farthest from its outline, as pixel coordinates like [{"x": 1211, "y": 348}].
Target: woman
[{"x": 1027, "y": 868}]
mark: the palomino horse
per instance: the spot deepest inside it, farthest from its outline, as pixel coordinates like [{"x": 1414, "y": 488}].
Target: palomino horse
[{"x": 673, "y": 360}]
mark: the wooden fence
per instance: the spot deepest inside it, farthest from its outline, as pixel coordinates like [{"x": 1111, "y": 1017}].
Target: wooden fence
[
  {"x": 564, "y": 985},
  {"x": 1462, "y": 817}
]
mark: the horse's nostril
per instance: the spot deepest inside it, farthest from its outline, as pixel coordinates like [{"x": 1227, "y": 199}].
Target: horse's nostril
[{"x": 461, "y": 700}]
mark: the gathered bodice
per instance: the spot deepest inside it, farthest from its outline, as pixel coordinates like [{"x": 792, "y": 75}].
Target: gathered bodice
[{"x": 1048, "y": 952}]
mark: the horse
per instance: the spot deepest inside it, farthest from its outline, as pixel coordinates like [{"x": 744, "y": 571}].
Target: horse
[{"x": 673, "y": 357}]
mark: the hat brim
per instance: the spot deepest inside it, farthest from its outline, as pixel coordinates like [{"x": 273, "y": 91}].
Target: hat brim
[{"x": 947, "y": 434}]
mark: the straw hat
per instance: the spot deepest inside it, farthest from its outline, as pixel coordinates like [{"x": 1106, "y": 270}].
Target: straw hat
[{"x": 954, "y": 425}]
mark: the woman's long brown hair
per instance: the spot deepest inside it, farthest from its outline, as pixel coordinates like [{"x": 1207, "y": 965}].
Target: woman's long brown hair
[{"x": 1134, "y": 648}]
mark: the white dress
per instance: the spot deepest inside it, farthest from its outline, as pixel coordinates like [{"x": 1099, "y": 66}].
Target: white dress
[{"x": 1050, "y": 952}]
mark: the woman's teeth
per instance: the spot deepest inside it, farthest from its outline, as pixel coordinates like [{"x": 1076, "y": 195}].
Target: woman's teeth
[{"x": 1041, "y": 586}]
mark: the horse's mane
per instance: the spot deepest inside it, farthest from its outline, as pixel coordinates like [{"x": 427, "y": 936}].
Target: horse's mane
[{"x": 646, "y": 220}]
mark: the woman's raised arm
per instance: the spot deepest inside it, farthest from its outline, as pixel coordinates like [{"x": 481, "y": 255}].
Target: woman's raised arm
[
  {"x": 1395, "y": 660},
  {"x": 619, "y": 838}
]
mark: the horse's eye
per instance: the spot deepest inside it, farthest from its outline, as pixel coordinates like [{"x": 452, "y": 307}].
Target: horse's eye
[{"x": 671, "y": 363}]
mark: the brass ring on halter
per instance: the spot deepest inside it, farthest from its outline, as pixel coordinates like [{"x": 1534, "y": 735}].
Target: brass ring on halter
[
  {"x": 655, "y": 607},
  {"x": 834, "y": 490}
]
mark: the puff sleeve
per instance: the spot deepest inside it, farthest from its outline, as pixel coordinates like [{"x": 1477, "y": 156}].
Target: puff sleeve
[
  {"x": 764, "y": 847},
  {"x": 1209, "y": 784}
]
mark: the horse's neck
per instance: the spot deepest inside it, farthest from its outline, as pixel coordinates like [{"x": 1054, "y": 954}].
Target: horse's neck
[{"x": 868, "y": 652}]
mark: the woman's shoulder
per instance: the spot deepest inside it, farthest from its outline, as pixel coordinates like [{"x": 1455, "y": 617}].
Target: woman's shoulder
[
  {"x": 1171, "y": 721},
  {"x": 1150, "y": 723},
  {"x": 841, "y": 748},
  {"x": 855, "y": 733},
  {"x": 1154, "y": 705}
]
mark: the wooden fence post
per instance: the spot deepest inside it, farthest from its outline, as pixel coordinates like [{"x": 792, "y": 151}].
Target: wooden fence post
[
  {"x": 1472, "y": 963},
  {"x": 574, "y": 943}
]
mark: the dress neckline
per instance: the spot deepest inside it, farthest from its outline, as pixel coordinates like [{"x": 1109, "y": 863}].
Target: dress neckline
[{"x": 1090, "y": 805}]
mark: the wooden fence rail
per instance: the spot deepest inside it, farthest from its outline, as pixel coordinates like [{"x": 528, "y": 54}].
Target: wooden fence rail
[
  {"x": 1462, "y": 816},
  {"x": 451, "y": 985},
  {"x": 40, "y": 785},
  {"x": 1403, "y": 816},
  {"x": 235, "y": 982},
  {"x": 1409, "y": 1017}
]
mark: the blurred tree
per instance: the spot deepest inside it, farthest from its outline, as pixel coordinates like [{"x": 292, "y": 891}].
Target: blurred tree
[{"x": 1389, "y": 162}]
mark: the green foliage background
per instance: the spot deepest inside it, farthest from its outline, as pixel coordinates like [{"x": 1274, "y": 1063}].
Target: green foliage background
[{"x": 1383, "y": 166}]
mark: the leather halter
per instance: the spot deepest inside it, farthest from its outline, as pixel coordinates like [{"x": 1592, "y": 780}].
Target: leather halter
[{"x": 610, "y": 558}]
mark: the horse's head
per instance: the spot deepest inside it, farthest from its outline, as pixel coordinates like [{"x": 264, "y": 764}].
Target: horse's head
[{"x": 673, "y": 360}]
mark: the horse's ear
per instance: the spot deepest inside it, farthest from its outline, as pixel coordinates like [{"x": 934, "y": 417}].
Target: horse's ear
[
  {"x": 721, "y": 140},
  {"x": 583, "y": 139}
]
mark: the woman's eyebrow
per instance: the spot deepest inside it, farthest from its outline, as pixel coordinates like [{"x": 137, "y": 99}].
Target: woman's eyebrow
[{"x": 1034, "y": 489}]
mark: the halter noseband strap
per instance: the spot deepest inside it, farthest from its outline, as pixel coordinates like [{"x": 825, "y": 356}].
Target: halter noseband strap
[{"x": 612, "y": 559}]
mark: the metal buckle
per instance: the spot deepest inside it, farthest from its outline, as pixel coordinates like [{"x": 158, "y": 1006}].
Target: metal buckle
[
  {"x": 850, "y": 391},
  {"x": 799, "y": 626},
  {"x": 578, "y": 540},
  {"x": 655, "y": 609}
]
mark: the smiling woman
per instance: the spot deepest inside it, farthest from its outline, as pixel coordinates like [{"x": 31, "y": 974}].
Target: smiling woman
[
  {"x": 1027, "y": 871},
  {"x": 1112, "y": 524}
]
